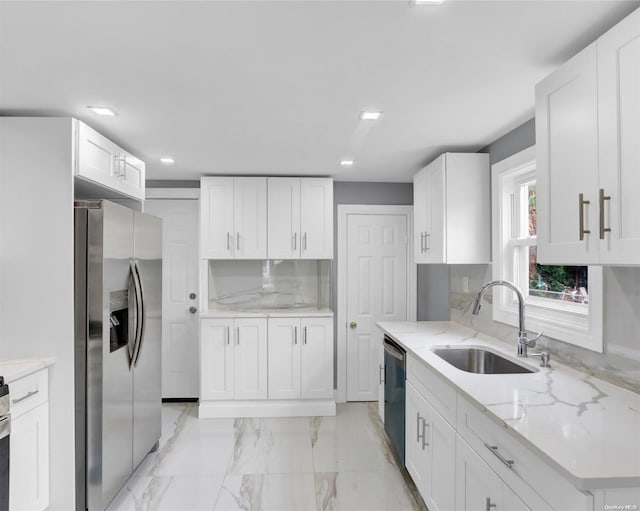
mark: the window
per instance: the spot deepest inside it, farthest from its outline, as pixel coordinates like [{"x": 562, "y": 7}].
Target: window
[{"x": 563, "y": 301}]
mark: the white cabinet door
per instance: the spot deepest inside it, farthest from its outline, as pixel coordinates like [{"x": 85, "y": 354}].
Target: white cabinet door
[
  {"x": 416, "y": 460},
  {"x": 29, "y": 467},
  {"x": 316, "y": 218},
  {"x": 477, "y": 487},
  {"x": 618, "y": 58},
  {"x": 216, "y": 359},
  {"x": 316, "y": 369},
  {"x": 567, "y": 162},
  {"x": 285, "y": 339},
  {"x": 420, "y": 205},
  {"x": 96, "y": 157},
  {"x": 436, "y": 235},
  {"x": 440, "y": 438},
  {"x": 283, "y": 203},
  {"x": 250, "y": 358},
  {"x": 101, "y": 161},
  {"x": 250, "y": 217},
  {"x": 217, "y": 236}
]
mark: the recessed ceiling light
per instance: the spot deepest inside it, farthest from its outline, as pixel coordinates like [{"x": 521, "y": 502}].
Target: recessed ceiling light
[
  {"x": 426, "y": 2},
  {"x": 167, "y": 160},
  {"x": 346, "y": 163},
  {"x": 370, "y": 115},
  {"x": 103, "y": 110}
]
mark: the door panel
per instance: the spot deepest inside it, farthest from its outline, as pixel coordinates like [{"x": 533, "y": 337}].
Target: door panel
[
  {"x": 117, "y": 378},
  {"x": 216, "y": 359},
  {"x": 376, "y": 291},
  {"x": 147, "y": 373},
  {"x": 283, "y": 218},
  {"x": 250, "y": 217},
  {"x": 316, "y": 371},
  {"x": 285, "y": 339},
  {"x": 567, "y": 164},
  {"x": 180, "y": 277},
  {"x": 619, "y": 136},
  {"x": 250, "y": 359},
  {"x": 216, "y": 218}
]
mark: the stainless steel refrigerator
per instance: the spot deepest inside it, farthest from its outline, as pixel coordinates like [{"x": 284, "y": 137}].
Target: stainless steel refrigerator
[{"x": 118, "y": 283}]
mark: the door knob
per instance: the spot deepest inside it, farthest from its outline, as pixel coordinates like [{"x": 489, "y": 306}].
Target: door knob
[
  {"x": 353, "y": 324},
  {"x": 192, "y": 310},
  {"x": 192, "y": 296}
]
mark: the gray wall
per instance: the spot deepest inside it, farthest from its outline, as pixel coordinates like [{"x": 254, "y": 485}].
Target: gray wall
[{"x": 620, "y": 362}]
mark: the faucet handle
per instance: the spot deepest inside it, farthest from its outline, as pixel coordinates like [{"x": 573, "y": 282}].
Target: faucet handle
[{"x": 531, "y": 343}]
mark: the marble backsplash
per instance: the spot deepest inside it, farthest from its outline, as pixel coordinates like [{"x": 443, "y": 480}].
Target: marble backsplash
[
  {"x": 270, "y": 284},
  {"x": 620, "y": 362}
]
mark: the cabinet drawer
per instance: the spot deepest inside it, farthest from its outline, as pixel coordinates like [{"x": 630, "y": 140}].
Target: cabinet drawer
[
  {"x": 529, "y": 476},
  {"x": 435, "y": 389},
  {"x": 29, "y": 392}
]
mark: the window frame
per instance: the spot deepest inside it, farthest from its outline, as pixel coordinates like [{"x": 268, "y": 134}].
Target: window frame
[{"x": 575, "y": 324}]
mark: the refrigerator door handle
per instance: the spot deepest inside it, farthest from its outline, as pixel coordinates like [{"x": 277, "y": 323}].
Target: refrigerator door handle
[
  {"x": 140, "y": 322},
  {"x": 135, "y": 301}
]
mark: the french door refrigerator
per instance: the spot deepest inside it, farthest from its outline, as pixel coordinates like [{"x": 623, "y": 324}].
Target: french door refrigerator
[{"x": 118, "y": 321}]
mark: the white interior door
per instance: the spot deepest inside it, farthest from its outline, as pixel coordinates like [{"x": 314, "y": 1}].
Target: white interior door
[
  {"x": 180, "y": 278},
  {"x": 376, "y": 291}
]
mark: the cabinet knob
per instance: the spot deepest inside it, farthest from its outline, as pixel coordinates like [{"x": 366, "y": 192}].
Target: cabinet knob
[{"x": 353, "y": 324}]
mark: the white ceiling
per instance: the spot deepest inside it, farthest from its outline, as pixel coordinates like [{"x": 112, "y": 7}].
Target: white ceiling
[{"x": 276, "y": 87}]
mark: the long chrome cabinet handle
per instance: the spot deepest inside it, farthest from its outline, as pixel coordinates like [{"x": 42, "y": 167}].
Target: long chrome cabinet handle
[
  {"x": 238, "y": 241},
  {"x": 381, "y": 374},
  {"x": 228, "y": 243},
  {"x": 421, "y": 242},
  {"x": 424, "y": 435},
  {"x": 295, "y": 241},
  {"x": 304, "y": 241},
  {"x": 581, "y": 204},
  {"x": 295, "y": 335},
  {"x": 228, "y": 335},
  {"x": 427, "y": 244},
  {"x": 26, "y": 396},
  {"x": 238, "y": 335},
  {"x": 494, "y": 450},
  {"x": 418, "y": 435},
  {"x": 603, "y": 198},
  {"x": 304, "y": 331}
]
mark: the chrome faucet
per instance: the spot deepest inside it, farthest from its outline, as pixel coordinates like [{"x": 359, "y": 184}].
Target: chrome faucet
[{"x": 523, "y": 340}]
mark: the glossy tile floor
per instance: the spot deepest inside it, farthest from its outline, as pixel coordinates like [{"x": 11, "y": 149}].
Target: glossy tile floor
[{"x": 297, "y": 464}]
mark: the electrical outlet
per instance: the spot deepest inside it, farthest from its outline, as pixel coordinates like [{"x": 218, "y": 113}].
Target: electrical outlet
[{"x": 465, "y": 284}]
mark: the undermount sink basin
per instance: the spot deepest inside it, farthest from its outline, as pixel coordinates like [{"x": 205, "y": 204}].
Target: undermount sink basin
[{"x": 480, "y": 361}]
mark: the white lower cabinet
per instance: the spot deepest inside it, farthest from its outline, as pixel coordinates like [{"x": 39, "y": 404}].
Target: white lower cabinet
[
  {"x": 233, "y": 358},
  {"x": 29, "y": 443},
  {"x": 300, "y": 358},
  {"x": 478, "y": 488},
  {"x": 430, "y": 447}
]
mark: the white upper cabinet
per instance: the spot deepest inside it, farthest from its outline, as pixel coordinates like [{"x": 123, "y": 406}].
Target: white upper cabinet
[
  {"x": 300, "y": 218},
  {"x": 101, "y": 161},
  {"x": 587, "y": 132},
  {"x": 233, "y": 217},
  {"x": 619, "y": 137},
  {"x": 452, "y": 210}
]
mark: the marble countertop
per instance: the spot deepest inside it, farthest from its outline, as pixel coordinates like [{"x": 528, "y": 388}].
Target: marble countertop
[
  {"x": 13, "y": 369},
  {"x": 586, "y": 428},
  {"x": 268, "y": 313}
]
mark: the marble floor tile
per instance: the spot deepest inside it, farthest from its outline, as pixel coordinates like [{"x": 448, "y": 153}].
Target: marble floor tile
[
  {"x": 363, "y": 491},
  {"x": 263, "y": 446},
  {"x": 180, "y": 493},
  {"x": 267, "y": 492}
]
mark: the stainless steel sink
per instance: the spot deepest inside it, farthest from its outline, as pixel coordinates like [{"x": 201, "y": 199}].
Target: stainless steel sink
[{"x": 480, "y": 361}]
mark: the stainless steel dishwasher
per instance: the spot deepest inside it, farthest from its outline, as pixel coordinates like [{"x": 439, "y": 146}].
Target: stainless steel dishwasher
[{"x": 395, "y": 358}]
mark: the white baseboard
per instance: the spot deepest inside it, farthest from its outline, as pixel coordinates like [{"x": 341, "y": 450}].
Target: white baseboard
[{"x": 282, "y": 408}]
